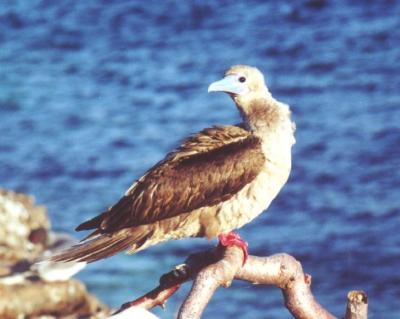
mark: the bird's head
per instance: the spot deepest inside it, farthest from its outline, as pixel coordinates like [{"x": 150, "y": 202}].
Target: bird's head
[{"x": 243, "y": 83}]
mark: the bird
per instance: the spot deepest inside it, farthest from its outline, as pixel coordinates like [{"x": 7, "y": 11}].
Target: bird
[{"x": 213, "y": 183}]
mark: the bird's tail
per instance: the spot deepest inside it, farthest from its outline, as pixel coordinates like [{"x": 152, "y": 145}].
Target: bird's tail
[
  {"x": 92, "y": 223},
  {"x": 105, "y": 245}
]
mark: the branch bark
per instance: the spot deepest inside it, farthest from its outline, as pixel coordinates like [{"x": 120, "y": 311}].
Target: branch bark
[
  {"x": 357, "y": 305},
  {"x": 220, "y": 266}
]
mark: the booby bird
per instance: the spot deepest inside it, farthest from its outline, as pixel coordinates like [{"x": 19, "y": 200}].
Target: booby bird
[{"x": 215, "y": 182}]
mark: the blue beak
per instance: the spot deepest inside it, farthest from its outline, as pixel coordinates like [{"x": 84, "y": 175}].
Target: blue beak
[{"x": 229, "y": 84}]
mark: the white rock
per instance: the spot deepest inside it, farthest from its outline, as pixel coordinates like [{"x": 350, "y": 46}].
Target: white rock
[
  {"x": 57, "y": 271},
  {"x": 134, "y": 312}
]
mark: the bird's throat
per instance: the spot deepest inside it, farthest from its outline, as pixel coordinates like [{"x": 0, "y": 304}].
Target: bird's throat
[{"x": 261, "y": 114}]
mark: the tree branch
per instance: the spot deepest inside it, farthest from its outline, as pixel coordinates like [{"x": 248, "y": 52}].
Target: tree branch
[
  {"x": 220, "y": 266},
  {"x": 208, "y": 279},
  {"x": 357, "y": 305}
]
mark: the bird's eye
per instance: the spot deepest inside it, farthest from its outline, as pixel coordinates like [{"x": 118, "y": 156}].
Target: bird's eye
[{"x": 242, "y": 79}]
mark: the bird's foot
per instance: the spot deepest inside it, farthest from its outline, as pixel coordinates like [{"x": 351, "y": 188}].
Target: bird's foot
[{"x": 233, "y": 239}]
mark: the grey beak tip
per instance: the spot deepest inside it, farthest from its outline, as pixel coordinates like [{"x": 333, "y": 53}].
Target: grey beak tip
[{"x": 210, "y": 88}]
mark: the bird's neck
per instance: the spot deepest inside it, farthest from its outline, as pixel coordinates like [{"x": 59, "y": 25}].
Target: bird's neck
[
  {"x": 262, "y": 114},
  {"x": 270, "y": 121}
]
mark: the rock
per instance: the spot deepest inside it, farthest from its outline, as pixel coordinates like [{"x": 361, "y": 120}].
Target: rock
[
  {"x": 133, "y": 312},
  {"x": 42, "y": 298},
  {"x": 23, "y": 227},
  {"x": 31, "y": 289}
]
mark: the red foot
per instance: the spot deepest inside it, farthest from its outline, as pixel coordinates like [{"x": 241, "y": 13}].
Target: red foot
[{"x": 233, "y": 239}]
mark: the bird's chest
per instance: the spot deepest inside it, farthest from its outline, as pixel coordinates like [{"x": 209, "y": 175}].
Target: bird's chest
[{"x": 256, "y": 196}]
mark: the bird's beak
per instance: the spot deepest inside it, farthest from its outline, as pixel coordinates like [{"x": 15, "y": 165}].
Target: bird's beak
[{"x": 229, "y": 84}]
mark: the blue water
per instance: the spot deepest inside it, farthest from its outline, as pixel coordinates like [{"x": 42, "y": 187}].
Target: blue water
[{"x": 92, "y": 93}]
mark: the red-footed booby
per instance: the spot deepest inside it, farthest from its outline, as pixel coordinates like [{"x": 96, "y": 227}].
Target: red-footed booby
[{"x": 215, "y": 182}]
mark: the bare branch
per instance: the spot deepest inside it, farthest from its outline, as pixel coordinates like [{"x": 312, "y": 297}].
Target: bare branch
[
  {"x": 156, "y": 297},
  {"x": 220, "y": 266},
  {"x": 208, "y": 279},
  {"x": 285, "y": 272},
  {"x": 357, "y": 305}
]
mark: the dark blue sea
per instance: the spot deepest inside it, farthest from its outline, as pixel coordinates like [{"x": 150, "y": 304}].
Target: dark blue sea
[{"x": 92, "y": 93}]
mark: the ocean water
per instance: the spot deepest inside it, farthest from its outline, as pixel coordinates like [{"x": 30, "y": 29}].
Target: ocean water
[{"x": 92, "y": 93}]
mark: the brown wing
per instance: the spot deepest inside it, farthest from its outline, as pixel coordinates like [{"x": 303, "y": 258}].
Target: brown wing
[{"x": 208, "y": 168}]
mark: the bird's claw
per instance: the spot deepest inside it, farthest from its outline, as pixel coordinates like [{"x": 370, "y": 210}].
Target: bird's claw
[{"x": 233, "y": 239}]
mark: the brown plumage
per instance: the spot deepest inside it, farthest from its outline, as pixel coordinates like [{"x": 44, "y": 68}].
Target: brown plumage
[
  {"x": 200, "y": 186},
  {"x": 200, "y": 173}
]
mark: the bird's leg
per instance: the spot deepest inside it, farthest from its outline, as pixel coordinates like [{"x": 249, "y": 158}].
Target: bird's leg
[{"x": 233, "y": 239}]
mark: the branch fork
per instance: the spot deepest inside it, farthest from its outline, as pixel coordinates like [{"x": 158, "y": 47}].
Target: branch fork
[{"x": 220, "y": 266}]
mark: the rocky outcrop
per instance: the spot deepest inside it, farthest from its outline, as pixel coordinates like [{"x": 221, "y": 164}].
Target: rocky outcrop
[
  {"x": 54, "y": 299},
  {"x": 29, "y": 289},
  {"x": 23, "y": 228}
]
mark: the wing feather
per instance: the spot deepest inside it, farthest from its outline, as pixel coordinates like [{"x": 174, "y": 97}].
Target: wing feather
[{"x": 208, "y": 168}]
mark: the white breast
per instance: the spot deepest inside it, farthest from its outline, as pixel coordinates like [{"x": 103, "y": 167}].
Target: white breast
[{"x": 255, "y": 197}]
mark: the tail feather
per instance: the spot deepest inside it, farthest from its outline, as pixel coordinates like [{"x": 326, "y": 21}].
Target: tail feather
[
  {"x": 103, "y": 245},
  {"x": 92, "y": 223}
]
